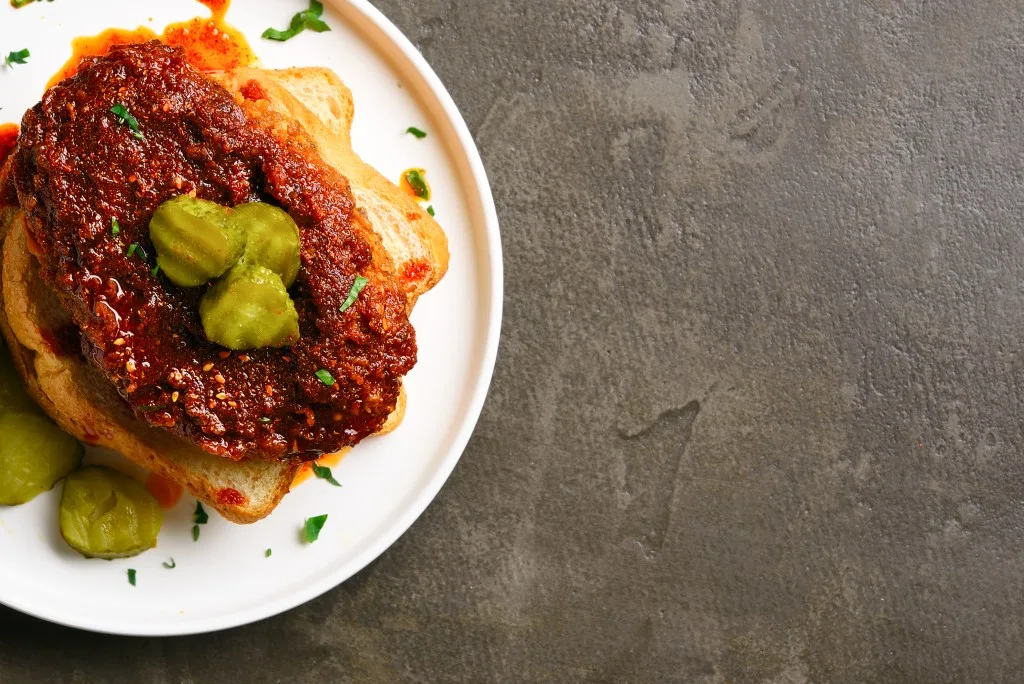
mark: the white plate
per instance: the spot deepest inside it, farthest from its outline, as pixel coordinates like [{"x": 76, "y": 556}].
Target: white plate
[{"x": 224, "y": 580}]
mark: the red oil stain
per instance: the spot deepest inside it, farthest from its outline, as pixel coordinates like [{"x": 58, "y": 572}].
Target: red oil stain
[
  {"x": 229, "y": 496},
  {"x": 167, "y": 493}
]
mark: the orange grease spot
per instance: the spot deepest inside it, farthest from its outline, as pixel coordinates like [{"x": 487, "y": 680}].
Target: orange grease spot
[
  {"x": 218, "y": 7},
  {"x": 403, "y": 183},
  {"x": 230, "y": 497},
  {"x": 328, "y": 461},
  {"x": 167, "y": 493},
  {"x": 210, "y": 43},
  {"x": 93, "y": 46}
]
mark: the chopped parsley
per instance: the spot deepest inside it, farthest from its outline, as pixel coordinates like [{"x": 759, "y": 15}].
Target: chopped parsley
[
  {"x": 18, "y": 4},
  {"x": 125, "y": 118},
  {"x": 200, "y": 517},
  {"x": 156, "y": 271},
  {"x": 264, "y": 419},
  {"x": 170, "y": 565},
  {"x": 131, "y": 576},
  {"x": 115, "y": 227},
  {"x": 313, "y": 526},
  {"x": 324, "y": 473},
  {"x": 416, "y": 181},
  {"x": 325, "y": 377},
  {"x": 430, "y": 210},
  {"x": 417, "y": 132},
  {"x": 136, "y": 248},
  {"x": 195, "y": 533},
  {"x": 266, "y": 554},
  {"x": 306, "y": 19},
  {"x": 353, "y": 293},
  {"x": 17, "y": 57}
]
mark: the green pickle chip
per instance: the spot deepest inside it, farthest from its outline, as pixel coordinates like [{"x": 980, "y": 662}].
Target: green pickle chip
[
  {"x": 34, "y": 455},
  {"x": 106, "y": 514},
  {"x": 272, "y": 239},
  {"x": 194, "y": 240},
  {"x": 249, "y": 308}
]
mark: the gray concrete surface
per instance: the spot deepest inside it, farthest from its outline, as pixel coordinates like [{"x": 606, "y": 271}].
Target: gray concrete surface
[{"x": 757, "y": 416}]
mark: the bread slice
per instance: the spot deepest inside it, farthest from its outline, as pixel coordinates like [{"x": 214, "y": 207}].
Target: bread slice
[
  {"x": 323, "y": 105},
  {"x": 85, "y": 403}
]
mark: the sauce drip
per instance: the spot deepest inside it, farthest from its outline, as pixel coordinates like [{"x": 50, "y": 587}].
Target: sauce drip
[
  {"x": 8, "y": 139},
  {"x": 329, "y": 461},
  {"x": 167, "y": 493},
  {"x": 210, "y": 43}
]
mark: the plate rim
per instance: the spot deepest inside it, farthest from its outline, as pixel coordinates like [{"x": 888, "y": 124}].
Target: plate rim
[{"x": 489, "y": 232}]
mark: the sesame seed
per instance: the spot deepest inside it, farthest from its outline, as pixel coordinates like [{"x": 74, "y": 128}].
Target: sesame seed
[
  {"x": 270, "y": 391},
  {"x": 207, "y": 367},
  {"x": 221, "y": 396},
  {"x": 243, "y": 357},
  {"x": 219, "y": 378},
  {"x": 233, "y": 404},
  {"x": 174, "y": 396},
  {"x": 119, "y": 342},
  {"x": 130, "y": 365}
]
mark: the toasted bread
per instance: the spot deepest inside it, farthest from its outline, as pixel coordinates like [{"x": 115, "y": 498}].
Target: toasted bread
[
  {"x": 85, "y": 404},
  {"x": 323, "y": 105}
]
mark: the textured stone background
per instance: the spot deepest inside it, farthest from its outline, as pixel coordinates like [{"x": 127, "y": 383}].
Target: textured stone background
[{"x": 757, "y": 415}]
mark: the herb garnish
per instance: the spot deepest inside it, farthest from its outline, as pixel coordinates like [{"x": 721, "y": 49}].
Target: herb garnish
[
  {"x": 416, "y": 181},
  {"x": 17, "y": 57},
  {"x": 264, "y": 419},
  {"x": 156, "y": 271},
  {"x": 430, "y": 210},
  {"x": 325, "y": 377},
  {"x": 195, "y": 533},
  {"x": 115, "y": 227},
  {"x": 418, "y": 132},
  {"x": 306, "y": 19},
  {"x": 266, "y": 554},
  {"x": 324, "y": 473},
  {"x": 313, "y": 526},
  {"x": 134, "y": 248},
  {"x": 125, "y": 118},
  {"x": 200, "y": 517},
  {"x": 18, "y": 4},
  {"x": 170, "y": 565},
  {"x": 131, "y": 576},
  {"x": 353, "y": 293}
]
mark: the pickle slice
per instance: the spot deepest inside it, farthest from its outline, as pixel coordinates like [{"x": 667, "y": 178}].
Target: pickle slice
[
  {"x": 105, "y": 514},
  {"x": 34, "y": 455}
]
